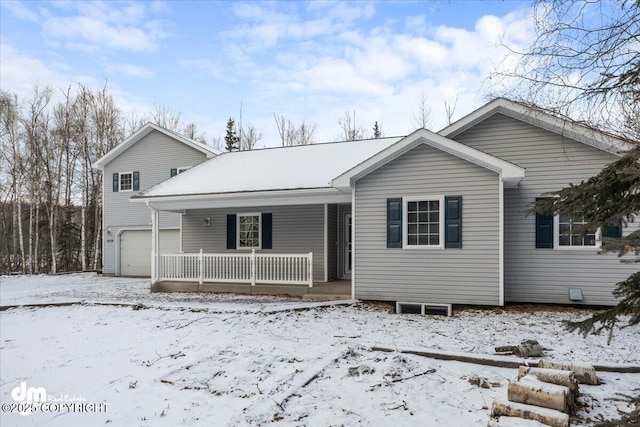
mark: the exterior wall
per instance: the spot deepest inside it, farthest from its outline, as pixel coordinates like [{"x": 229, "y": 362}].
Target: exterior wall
[
  {"x": 342, "y": 211},
  {"x": 462, "y": 276},
  {"x": 332, "y": 242},
  {"x": 295, "y": 229},
  {"x": 153, "y": 156},
  {"x": 551, "y": 163}
]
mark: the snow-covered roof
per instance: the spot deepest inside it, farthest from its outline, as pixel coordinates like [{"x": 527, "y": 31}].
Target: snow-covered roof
[
  {"x": 539, "y": 118},
  {"x": 305, "y": 167},
  {"x": 144, "y": 131}
]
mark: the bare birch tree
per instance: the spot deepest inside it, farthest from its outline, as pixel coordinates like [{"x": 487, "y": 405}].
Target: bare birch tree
[
  {"x": 350, "y": 130},
  {"x": 422, "y": 114}
]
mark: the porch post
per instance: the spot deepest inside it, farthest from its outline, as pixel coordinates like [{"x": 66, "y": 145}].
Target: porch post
[
  {"x": 155, "y": 245},
  {"x": 311, "y": 269},
  {"x": 201, "y": 268},
  {"x": 252, "y": 264}
]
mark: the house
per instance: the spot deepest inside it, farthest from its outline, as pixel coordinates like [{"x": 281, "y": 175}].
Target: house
[
  {"x": 149, "y": 156},
  {"x": 430, "y": 218}
]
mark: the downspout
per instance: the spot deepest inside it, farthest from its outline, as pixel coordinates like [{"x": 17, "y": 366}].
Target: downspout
[
  {"x": 501, "y": 240},
  {"x": 155, "y": 244}
]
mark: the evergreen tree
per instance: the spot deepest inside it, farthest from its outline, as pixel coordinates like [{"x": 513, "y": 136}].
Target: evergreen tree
[
  {"x": 608, "y": 199},
  {"x": 231, "y": 138},
  {"x": 376, "y": 130}
]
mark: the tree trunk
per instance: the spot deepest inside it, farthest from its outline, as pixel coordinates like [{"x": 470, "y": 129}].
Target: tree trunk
[
  {"x": 532, "y": 391},
  {"x": 528, "y": 412}
]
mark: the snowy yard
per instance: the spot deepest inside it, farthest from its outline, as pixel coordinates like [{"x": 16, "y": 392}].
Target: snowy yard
[{"x": 188, "y": 359}]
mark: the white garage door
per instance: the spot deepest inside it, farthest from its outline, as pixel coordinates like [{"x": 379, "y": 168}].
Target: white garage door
[{"x": 135, "y": 250}]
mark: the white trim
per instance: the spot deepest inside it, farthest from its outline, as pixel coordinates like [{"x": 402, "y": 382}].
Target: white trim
[
  {"x": 244, "y": 248},
  {"x": 180, "y": 237},
  {"x": 179, "y": 170},
  {"x": 500, "y": 242},
  {"x": 353, "y": 242},
  {"x": 405, "y": 225},
  {"x": 247, "y": 200},
  {"x": 326, "y": 239},
  {"x": 510, "y": 173},
  {"x": 538, "y": 118},
  {"x": 120, "y": 190},
  {"x": 556, "y": 239},
  {"x": 144, "y": 131}
]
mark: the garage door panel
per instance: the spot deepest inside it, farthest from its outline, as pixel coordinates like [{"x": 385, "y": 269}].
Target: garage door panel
[{"x": 135, "y": 250}]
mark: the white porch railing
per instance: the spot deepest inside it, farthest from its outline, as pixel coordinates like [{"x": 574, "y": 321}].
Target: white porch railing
[{"x": 286, "y": 269}]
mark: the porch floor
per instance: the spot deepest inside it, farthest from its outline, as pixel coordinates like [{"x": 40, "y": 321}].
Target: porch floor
[{"x": 335, "y": 290}]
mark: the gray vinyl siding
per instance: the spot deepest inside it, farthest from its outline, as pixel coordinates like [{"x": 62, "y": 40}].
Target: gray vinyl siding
[
  {"x": 461, "y": 276},
  {"x": 332, "y": 242},
  {"x": 551, "y": 163},
  {"x": 153, "y": 156},
  {"x": 295, "y": 229},
  {"x": 342, "y": 211}
]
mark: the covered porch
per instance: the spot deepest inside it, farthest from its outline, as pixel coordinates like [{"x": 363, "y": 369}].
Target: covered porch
[{"x": 295, "y": 249}]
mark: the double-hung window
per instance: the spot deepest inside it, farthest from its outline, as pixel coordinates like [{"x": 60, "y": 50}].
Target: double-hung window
[
  {"x": 249, "y": 226},
  {"x": 423, "y": 222}
]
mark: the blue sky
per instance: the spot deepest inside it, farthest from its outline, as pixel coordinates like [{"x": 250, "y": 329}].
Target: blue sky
[{"x": 304, "y": 60}]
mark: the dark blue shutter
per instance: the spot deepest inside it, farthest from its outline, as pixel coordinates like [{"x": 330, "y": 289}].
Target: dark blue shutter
[
  {"x": 266, "y": 231},
  {"x": 116, "y": 182},
  {"x": 394, "y": 223},
  {"x": 453, "y": 222},
  {"x": 613, "y": 231},
  {"x": 231, "y": 231},
  {"x": 174, "y": 172},
  {"x": 544, "y": 230},
  {"x": 136, "y": 181}
]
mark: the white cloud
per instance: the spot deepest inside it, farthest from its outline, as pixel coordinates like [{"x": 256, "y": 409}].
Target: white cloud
[
  {"x": 94, "y": 26},
  {"x": 19, "y": 10}
]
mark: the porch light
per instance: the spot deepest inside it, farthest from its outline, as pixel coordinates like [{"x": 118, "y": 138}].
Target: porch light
[{"x": 206, "y": 222}]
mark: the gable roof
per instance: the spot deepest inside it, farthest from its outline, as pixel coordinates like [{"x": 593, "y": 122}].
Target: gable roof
[
  {"x": 306, "y": 167},
  {"x": 144, "y": 131},
  {"x": 539, "y": 118},
  {"x": 510, "y": 173}
]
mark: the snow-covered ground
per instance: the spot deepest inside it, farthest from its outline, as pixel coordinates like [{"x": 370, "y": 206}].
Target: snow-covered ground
[{"x": 189, "y": 359}]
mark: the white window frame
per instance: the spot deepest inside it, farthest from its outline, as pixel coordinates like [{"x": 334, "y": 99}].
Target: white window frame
[
  {"x": 556, "y": 239},
  {"x": 120, "y": 181},
  {"x": 405, "y": 224},
  {"x": 182, "y": 169},
  {"x": 259, "y": 215}
]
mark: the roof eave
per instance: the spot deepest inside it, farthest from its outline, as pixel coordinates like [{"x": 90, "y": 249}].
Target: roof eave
[{"x": 539, "y": 118}]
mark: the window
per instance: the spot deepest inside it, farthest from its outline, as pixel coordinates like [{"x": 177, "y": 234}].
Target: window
[
  {"x": 126, "y": 181},
  {"x": 177, "y": 171},
  {"x": 423, "y": 222},
  {"x": 568, "y": 234},
  {"x": 249, "y": 231}
]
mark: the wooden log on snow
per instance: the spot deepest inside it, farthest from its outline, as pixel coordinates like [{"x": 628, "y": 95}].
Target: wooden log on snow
[
  {"x": 555, "y": 376},
  {"x": 546, "y": 416},
  {"x": 532, "y": 391},
  {"x": 585, "y": 374}
]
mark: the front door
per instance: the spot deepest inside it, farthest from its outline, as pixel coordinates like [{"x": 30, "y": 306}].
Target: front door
[{"x": 347, "y": 246}]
